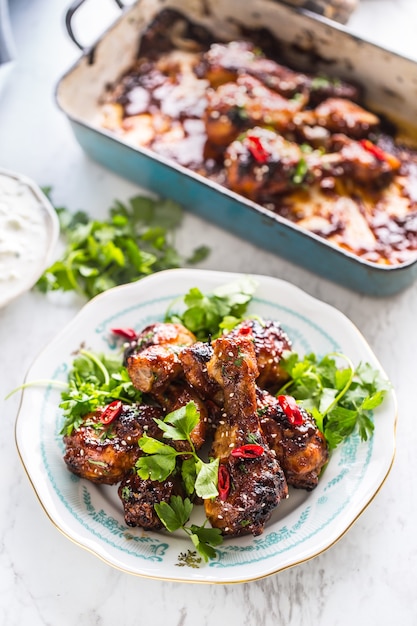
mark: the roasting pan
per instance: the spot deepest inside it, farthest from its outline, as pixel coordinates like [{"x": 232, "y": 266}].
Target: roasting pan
[{"x": 308, "y": 42}]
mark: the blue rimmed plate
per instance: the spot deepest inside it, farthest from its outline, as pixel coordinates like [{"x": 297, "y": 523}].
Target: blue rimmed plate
[{"x": 91, "y": 515}]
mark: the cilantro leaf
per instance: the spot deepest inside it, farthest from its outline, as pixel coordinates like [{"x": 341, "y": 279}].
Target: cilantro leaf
[
  {"x": 93, "y": 382},
  {"x": 206, "y": 315},
  {"x": 206, "y": 479},
  {"x": 341, "y": 400},
  {"x": 135, "y": 241},
  {"x": 174, "y": 516}
]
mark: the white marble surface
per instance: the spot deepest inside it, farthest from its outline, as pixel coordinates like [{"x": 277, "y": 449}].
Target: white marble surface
[{"x": 368, "y": 577}]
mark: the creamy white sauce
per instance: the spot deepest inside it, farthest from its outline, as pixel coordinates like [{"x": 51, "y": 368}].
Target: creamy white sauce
[{"x": 23, "y": 237}]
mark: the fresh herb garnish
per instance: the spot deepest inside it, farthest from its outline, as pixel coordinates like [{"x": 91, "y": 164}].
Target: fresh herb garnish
[
  {"x": 300, "y": 172},
  {"x": 176, "y": 514},
  {"x": 94, "y": 381},
  {"x": 340, "y": 399},
  {"x": 136, "y": 240},
  {"x": 208, "y": 315},
  {"x": 160, "y": 459}
]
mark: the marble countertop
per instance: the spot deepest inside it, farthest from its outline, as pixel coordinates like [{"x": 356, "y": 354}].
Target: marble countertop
[{"x": 369, "y": 576}]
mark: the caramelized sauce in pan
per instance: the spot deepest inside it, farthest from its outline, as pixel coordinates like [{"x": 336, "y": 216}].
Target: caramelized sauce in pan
[{"x": 302, "y": 146}]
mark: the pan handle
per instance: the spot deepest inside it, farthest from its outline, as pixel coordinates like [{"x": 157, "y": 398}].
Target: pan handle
[{"x": 73, "y": 8}]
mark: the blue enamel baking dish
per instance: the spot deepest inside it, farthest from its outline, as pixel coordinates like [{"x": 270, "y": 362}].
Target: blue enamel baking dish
[{"x": 391, "y": 89}]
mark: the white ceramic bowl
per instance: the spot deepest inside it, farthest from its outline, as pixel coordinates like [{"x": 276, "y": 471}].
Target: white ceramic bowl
[{"x": 29, "y": 229}]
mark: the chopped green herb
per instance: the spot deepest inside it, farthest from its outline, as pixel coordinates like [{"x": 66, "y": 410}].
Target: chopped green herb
[
  {"x": 160, "y": 459},
  {"x": 136, "y": 240},
  {"x": 340, "y": 399},
  {"x": 94, "y": 381},
  {"x": 300, "y": 172},
  {"x": 176, "y": 514},
  {"x": 208, "y": 315}
]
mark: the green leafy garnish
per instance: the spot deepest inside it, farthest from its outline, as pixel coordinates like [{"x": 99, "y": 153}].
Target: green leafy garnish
[
  {"x": 160, "y": 459},
  {"x": 300, "y": 172},
  {"x": 94, "y": 381},
  {"x": 176, "y": 514},
  {"x": 340, "y": 399},
  {"x": 208, "y": 315},
  {"x": 136, "y": 240}
]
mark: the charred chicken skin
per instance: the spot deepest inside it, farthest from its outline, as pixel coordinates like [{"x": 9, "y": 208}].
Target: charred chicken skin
[
  {"x": 251, "y": 481},
  {"x": 292, "y": 433},
  {"x": 105, "y": 453},
  {"x": 139, "y": 496}
]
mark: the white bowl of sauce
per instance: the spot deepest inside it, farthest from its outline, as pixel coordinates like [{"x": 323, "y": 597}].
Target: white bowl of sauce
[{"x": 29, "y": 229}]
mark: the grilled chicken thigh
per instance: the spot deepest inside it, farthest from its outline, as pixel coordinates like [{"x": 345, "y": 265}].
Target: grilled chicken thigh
[
  {"x": 251, "y": 481},
  {"x": 293, "y": 434},
  {"x": 105, "y": 453}
]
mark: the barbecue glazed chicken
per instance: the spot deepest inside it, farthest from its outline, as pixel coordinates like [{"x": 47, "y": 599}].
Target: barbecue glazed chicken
[
  {"x": 105, "y": 452},
  {"x": 251, "y": 481},
  {"x": 152, "y": 359},
  {"x": 263, "y": 443},
  {"x": 302, "y": 146},
  {"x": 292, "y": 433}
]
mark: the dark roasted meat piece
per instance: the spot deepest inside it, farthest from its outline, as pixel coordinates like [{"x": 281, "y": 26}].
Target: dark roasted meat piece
[
  {"x": 299, "y": 445},
  {"x": 251, "y": 481},
  {"x": 139, "y": 496},
  {"x": 106, "y": 453}
]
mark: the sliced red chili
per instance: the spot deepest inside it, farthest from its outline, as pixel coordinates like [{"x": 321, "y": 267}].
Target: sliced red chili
[
  {"x": 248, "y": 451},
  {"x": 127, "y": 333},
  {"x": 256, "y": 149},
  {"x": 223, "y": 482},
  {"x": 291, "y": 410},
  {"x": 111, "y": 411},
  {"x": 380, "y": 154}
]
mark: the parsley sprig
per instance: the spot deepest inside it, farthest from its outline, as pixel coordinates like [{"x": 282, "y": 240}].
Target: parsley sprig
[
  {"x": 341, "y": 399},
  {"x": 208, "y": 315},
  {"x": 174, "y": 516},
  {"x": 160, "y": 459},
  {"x": 94, "y": 381},
  {"x": 136, "y": 240}
]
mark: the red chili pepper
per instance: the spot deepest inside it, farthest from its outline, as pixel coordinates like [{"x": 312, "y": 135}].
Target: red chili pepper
[
  {"x": 248, "y": 451},
  {"x": 127, "y": 333},
  {"x": 256, "y": 149},
  {"x": 223, "y": 482},
  {"x": 291, "y": 410},
  {"x": 111, "y": 411},
  {"x": 245, "y": 330},
  {"x": 380, "y": 154}
]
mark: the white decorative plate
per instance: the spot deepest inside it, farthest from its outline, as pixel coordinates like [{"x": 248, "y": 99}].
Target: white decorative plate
[{"x": 302, "y": 527}]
